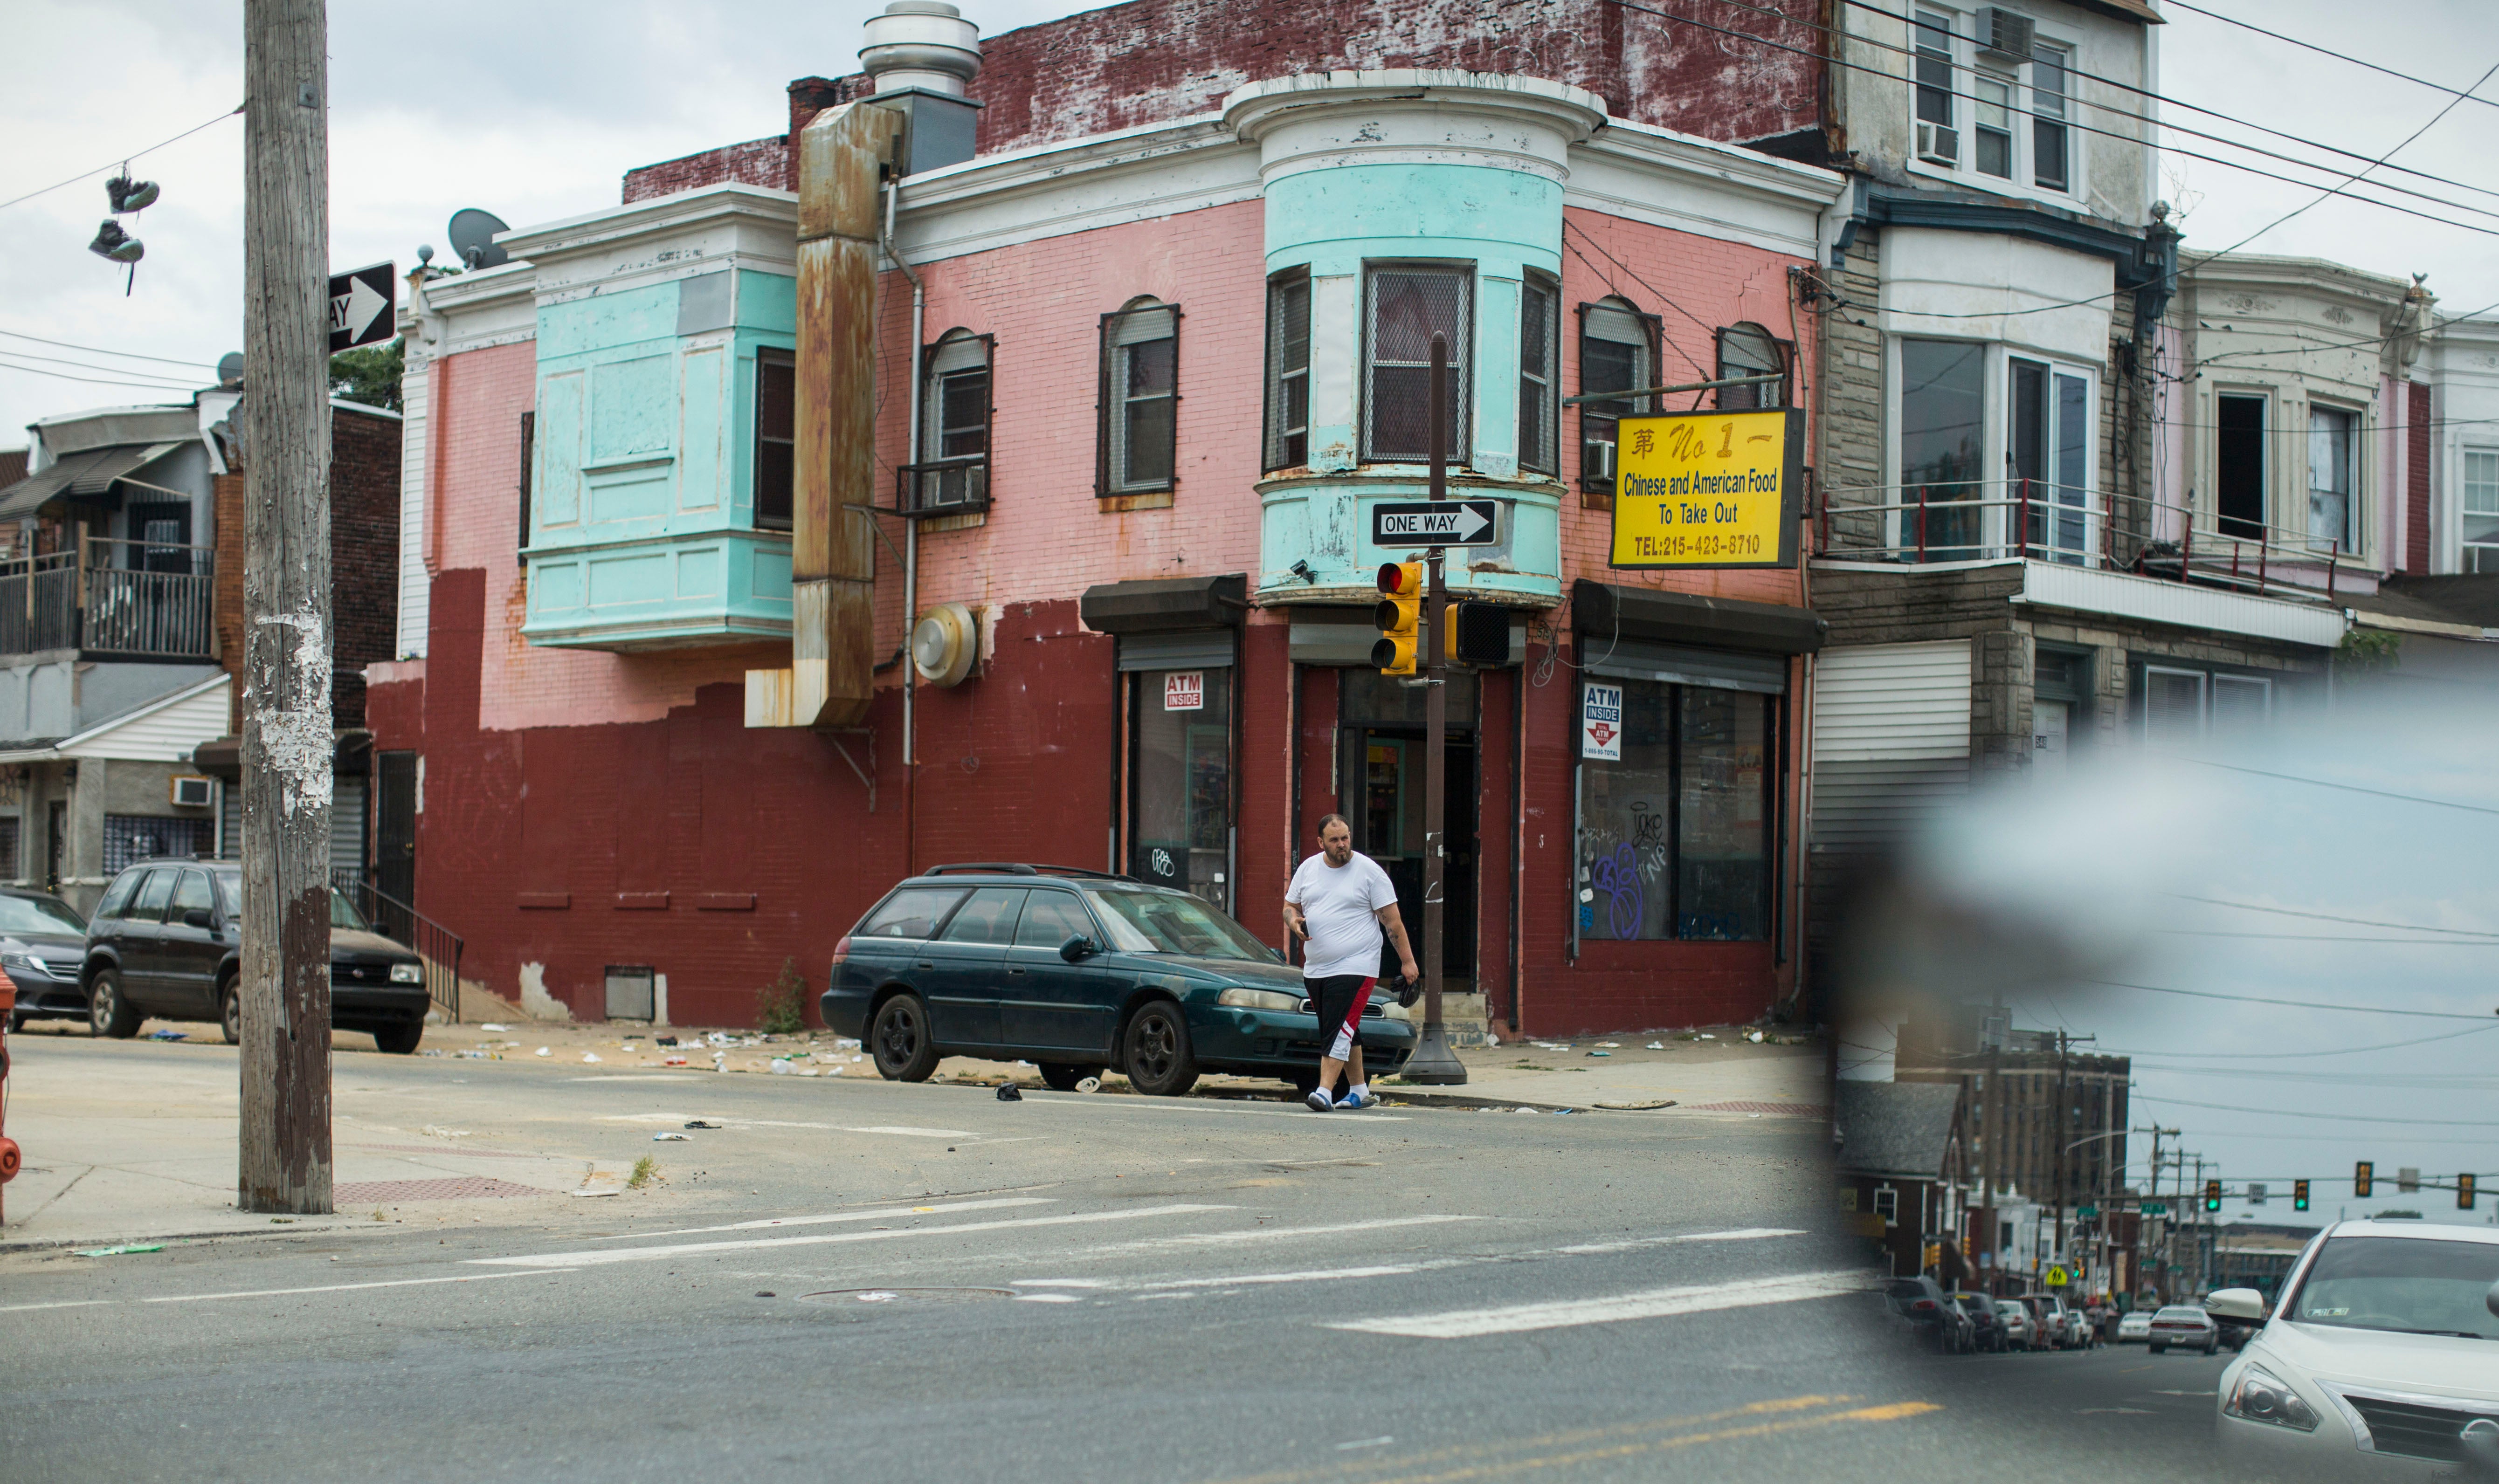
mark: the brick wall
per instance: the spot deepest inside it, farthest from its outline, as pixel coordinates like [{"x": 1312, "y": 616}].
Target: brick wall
[
  {"x": 226, "y": 492},
  {"x": 2416, "y": 460},
  {"x": 364, "y": 551},
  {"x": 755, "y": 162}
]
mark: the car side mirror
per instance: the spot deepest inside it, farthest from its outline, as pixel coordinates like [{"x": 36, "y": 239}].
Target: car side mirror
[
  {"x": 1076, "y": 949},
  {"x": 196, "y": 916},
  {"x": 2242, "y": 1303}
]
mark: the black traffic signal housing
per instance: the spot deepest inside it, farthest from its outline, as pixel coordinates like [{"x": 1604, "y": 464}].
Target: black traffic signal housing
[
  {"x": 2363, "y": 1174},
  {"x": 2299, "y": 1195},
  {"x": 2212, "y": 1195},
  {"x": 1400, "y": 611},
  {"x": 1479, "y": 633},
  {"x": 2464, "y": 1192}
]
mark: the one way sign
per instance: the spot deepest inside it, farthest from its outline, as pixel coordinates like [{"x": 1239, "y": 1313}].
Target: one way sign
[
  {"x": 360, "y": 307},
  {"x": 1436, "y": 523}
]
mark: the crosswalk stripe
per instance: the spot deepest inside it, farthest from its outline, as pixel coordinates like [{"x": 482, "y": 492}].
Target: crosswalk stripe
[
  {"x": 701, "y": 1249},
  {"x": 879, "y": 1214},
  {"x": 1649, "y": 1304}
]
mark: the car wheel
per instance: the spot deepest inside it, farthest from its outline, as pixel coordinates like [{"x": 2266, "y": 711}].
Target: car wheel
[
  {"x": 900, "y": 1040},
  {"x": 1160, "y": 1062},
  {"x": 399, "y": 1038},
  {"x": 107, "y": 1013},
  {"x": 230, "y": 1010},
  {"x": 1063, "y": 1077}
]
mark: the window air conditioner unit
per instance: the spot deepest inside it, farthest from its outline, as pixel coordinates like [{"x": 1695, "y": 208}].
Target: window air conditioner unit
[
  {"x": 192, "y": 792},
  {"x": 1938, "y": 144},
  {"x": 1597, "y": 461},
  {"x": 2004, "y": 36}
]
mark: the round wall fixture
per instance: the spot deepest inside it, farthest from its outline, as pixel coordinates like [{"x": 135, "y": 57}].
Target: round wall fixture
[{"x": 944, "y": 643}]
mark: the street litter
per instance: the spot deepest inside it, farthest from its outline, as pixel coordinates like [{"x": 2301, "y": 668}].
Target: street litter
[
  {"x": 720, "y": 1061},
  {"x": 845, "y": 1043},
  {"x": 1523, "y": 1109},
  {"x": 1705, "y": 1036},
  {"x": 590, "y": 1055},
  {"x": 781, "y": 1066},
  {"x": 1090, "y": 1085},
  {"x": 1600, "y": 1053},
  {"x": 670, "y": 1139},
  {"x": 1008, "y": 1092},
  {"x": 1612, "y": 1045},
  {"x": 473, "y": 1056},
  {"x": 167, "y": 1035},
  {"x": 667, "y": 1040},
  {"x": 544, "y": 1051},
  {"x": 149, "y": 1246},
  {"x": 673, "y": 1061},
  {"x": 492, "y": 1026},
  {"x": 700, "y": 1123},
  {"x": 433, "y": 1051},
  {"x": 1755, "y": 1038},
  {"x": 1657, "y": 1046}
]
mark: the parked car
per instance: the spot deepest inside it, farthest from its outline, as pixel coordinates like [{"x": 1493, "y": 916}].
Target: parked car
[
  {"x": 2048, "y": 1328},
  {"x": 1930, "y": 1311},
  {"x": 2381, "y": 1347},
  {"x": 2135, "y": 1327},
  {"x": 1079, "y": 971},
  {"x": 1986, "y": 1327},
  {"x": 2019, "y": 1328},
  {"x": 166, "y": 942},
  {"x": 2184, "y": 1326},
  {"x": 43, "y": 940}
]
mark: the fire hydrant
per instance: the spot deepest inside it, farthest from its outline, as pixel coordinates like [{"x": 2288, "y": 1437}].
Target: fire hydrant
[{"x": 9, "y": 1158}]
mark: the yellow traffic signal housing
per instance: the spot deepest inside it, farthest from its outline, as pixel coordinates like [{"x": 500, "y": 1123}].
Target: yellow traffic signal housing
[
  {"x": 2299, "y": 1195},
  {"x": 2464, "y": 1192},
  {"x": 2363, "y": 1176},
  {"x": 2212, "y": 1195},
  {"x": 1400, "y": 611}
]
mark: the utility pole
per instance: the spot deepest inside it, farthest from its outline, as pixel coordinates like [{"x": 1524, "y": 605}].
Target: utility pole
[
  {"x": 288, "y": 742},
  {"x": 1433, "y": 1062}
]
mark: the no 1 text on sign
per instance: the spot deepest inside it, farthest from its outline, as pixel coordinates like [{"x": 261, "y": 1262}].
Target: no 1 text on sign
[{"x": 1708, "y": 489}]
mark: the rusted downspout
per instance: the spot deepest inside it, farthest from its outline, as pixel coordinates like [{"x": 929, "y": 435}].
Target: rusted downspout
[
  {"x": 832, "y": 546},
  {"x": 911, "y": 529}
]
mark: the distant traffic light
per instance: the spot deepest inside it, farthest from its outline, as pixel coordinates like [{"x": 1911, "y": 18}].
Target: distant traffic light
[
  {"x": 2212, "y": 1195},
  {"x": 2362, "y": 1174},
  {"x": 2299, "y": 1195},
  {"x": 1934, "y": 1254},
  {"x": 1401, "y": 602},
  {"x": 2464, "y": 1192}
]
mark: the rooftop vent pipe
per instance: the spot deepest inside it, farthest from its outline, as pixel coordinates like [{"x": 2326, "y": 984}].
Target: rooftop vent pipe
[{"x": 923, "y": 56}]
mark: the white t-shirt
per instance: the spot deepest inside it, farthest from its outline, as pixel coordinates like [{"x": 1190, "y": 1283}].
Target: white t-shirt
[{"x": 1342, "y": 905}]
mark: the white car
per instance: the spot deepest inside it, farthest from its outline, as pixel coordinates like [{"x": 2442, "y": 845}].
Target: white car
[
  {"x": 2135, "y": 1327},
  {"x": 2382, "y": 1356}
]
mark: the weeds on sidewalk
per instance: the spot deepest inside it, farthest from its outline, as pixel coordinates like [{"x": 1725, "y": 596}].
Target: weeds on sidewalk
[
  {"x": 781, "y": 1006},
  {"x": 645, "y": 1170}
]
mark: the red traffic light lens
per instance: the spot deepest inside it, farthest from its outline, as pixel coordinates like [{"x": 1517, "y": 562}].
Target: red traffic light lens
[{"x": 1393, "y": 578}]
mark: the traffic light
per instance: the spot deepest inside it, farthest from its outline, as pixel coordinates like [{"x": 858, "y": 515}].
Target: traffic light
[
  {"x": 1401, "y": 603},
  {"x": 2464, "y": 1192},
  {"x": 2212, "y": 1195},
  {"x": 1933, "y": 1254},
  {"x": 2362, "y": 1174},
  {"x": 2299, "y": 1195},
  {"x": 1479, "y": 633}
]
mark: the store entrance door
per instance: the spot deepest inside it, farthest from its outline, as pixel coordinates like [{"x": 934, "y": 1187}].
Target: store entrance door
[{"x": 1382, "y": 767}]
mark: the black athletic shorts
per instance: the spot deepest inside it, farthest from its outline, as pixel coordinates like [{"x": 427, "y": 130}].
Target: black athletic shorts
[{"x": 1339, "y": 1000}]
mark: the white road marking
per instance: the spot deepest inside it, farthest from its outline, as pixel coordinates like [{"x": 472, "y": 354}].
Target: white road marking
[
  {"x": 1047, "y": 1298},
  {"x": 633, "y": 1077},
  {"x": 1265, "y": 1233},
  {"x": 275, "y": 1293},
  {"x": 1365, "y": 1443},
  {"x": 1740, "y": 1234},
  {"x": 909, "y": 1131},
  {"x": 905, "y": 1130},
  {"x": 20, "y": 1308},
  {"x": 700, "y": 1249},
  {"x": 1649, "y": 1304},
  {"x": 880, "y": 1213},
  {"x": 1306, "y": 1275},
  {"x": 1059, "y": 1283}
]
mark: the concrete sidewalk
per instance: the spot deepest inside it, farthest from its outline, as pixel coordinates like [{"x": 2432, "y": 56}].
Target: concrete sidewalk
[{"x": 1718, "y": 1072}]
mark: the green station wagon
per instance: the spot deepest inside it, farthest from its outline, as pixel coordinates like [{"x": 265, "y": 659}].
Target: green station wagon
[{"x": 1079, "y": 972}]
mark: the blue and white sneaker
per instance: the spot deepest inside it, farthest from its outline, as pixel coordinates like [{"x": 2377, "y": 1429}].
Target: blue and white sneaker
[
  {"x": 1318, "y": 1101},
  {"x": 1359, "y": 1100}
]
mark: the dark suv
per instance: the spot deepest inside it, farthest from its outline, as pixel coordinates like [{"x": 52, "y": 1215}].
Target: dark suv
[
  {"x": 166, "y": 942},
  {"x": 1079, "y": 971}
]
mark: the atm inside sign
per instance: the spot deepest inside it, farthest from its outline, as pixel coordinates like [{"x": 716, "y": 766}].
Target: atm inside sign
[{"x": 1708, "y": 489}]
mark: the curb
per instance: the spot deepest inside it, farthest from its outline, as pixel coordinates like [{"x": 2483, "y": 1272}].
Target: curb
[{"x": 300, "y": 1224}]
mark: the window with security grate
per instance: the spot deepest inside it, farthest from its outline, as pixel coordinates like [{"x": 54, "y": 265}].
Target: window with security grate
[{"x": 1405, "y": 305}]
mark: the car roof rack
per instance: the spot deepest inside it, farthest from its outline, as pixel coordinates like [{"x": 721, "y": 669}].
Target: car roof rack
[{"x": 1022, "y": 868}]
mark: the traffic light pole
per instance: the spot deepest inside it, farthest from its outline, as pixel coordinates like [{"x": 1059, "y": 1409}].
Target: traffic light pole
[{"x": 1433, "y": 1063}]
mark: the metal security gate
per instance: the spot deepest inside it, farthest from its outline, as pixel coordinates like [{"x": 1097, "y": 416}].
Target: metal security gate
[{"x": 1891, "y": 750}]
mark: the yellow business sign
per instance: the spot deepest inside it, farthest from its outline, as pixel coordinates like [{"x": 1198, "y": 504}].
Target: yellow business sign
[{"x": 1708, "y": 489}]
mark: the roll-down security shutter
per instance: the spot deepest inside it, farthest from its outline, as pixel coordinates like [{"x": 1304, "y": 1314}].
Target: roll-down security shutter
[{"x": 1891, "y": 740}]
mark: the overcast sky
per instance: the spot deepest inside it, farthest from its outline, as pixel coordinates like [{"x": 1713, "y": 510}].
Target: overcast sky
[
  {"x": 535, "y": 111},
  {"x": 2255, "y": 894}
]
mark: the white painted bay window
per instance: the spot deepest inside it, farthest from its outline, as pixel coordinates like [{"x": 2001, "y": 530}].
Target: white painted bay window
[
  {"x": 2481, "y": 510},
  {"x": 2333, "y": 479}
]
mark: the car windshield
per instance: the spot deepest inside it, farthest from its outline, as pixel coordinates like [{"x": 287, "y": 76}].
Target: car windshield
[
  {"x": 344, "y": 913},
  {"x": 38, "y": 914},
  {"x": 1146, "y": 920},
  {"x": 2408, "y": 1284}
]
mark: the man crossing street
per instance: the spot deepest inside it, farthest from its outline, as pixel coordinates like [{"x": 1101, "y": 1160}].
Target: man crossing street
[{"x": 1339, "y": 904}]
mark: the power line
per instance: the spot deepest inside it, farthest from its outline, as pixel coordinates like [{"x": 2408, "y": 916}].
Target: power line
[
  {"x": 122, "y": 355},
  {"x": 1626, "y": 270},
  {"x": 153, "y": 386},
  {"x": 2257, "y": 999},
  {"x": 2341, "y": 1050},
  {"x": 2375, "y": 339},
  {"x": 121, "y": 160},
  {"x": 2214, "y": 933},
  {"x": 27, "y": 355},
  {"x": 2339, "y": 1117},
  {"x": 2409, "y": 798},
  {"x": 2328, "y": 917},
  {"x": 2337, "y": 56}
]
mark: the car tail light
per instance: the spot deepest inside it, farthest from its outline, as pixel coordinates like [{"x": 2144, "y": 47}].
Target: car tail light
[
  {"x": 842, "y": 951},
  {"x": 1924, "y": 1303}
]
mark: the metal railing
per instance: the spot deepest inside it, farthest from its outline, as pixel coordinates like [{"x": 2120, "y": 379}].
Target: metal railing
[
  {"x": 437, "y": 945},
  {"x": 111, "y": 597},
  {"x": 2041, "y": 520}
]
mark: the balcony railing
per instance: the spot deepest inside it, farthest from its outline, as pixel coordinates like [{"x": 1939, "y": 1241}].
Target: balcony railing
[
  {"x": 139, "y": 600},
  {"x": 942, "y": 487},
  {"x": 1997, "y": 520}
]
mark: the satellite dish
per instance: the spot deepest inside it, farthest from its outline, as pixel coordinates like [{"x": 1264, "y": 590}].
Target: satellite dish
[
  {"x": 230, "y": 369},
  {"x": 472, "y": 238}
]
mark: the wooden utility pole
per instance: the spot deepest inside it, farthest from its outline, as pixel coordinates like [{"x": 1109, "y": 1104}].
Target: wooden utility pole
[
  {"x": 286, "y": 728},
  {"x": 1433, "y": 1062}
]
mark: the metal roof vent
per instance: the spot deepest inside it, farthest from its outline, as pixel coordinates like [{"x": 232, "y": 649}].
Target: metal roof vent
[{"x": 923, "y": 44}]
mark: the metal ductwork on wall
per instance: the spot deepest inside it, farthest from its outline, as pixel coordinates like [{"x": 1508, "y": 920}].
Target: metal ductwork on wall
[{"x": 833, "y": 549}]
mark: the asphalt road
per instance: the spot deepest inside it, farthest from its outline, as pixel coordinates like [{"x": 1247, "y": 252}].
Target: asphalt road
[{"x": 897, "y": 1282}]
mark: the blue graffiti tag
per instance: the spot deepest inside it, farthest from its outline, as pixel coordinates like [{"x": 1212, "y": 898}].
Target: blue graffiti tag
[{"x": 1618, "y": 877}]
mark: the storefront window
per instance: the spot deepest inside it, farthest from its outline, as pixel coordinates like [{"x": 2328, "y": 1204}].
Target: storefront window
[
  {"x": 1676, "y": 833},
  {"x": 1181, "y": 772}
]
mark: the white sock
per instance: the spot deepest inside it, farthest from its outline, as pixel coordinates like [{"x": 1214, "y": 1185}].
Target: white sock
[{"x": 1355, "y": 1092}]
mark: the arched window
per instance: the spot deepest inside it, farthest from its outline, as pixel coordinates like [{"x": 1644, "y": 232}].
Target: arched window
[
  {"x": 1136, "y": 417},
  {"x": 1617, "y": 353},
  {"x": 1748, "y": 350},
  {"x": 954, "y": 469}
]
